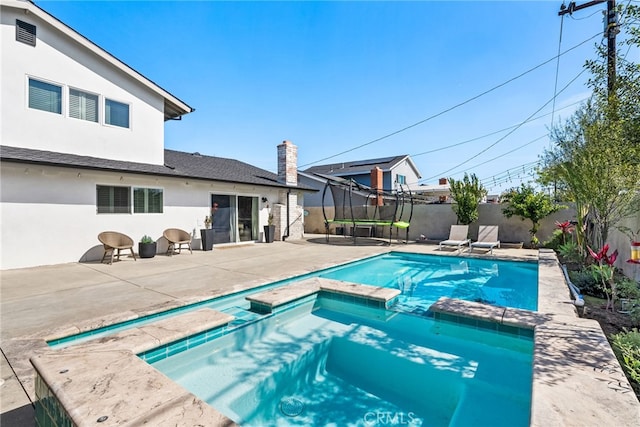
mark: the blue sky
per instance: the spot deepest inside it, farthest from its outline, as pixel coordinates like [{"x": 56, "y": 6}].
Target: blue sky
[{"x": 332, "y": 76}]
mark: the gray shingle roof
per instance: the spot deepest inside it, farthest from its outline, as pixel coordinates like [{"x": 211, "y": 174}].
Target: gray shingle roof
[
  {"x": 356, "y": 167},
  {"x": 177, "y": 164}
]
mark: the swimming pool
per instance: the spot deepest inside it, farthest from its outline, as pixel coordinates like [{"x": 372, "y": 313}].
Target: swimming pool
[
  {"x": 421, "y": 278},
  {"x": 329, "y": 362}
]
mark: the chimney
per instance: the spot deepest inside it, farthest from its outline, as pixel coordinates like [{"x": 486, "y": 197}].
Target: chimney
[
  {"x": 376, "y": 183},
  {"x": 443, "y": 181},
  {"x": 288, "y": 163}
]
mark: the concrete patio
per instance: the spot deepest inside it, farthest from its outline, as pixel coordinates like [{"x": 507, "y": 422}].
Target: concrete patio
[{"x": 576, "y": 379}]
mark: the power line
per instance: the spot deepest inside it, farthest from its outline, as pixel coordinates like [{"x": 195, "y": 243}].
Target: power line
[
  {"x": 507, "y": 153},
  {"x": 510, "y": 174},
  {"x": 511, "y": 151},
  {"x": 555, "y": 87},
  {"x": 509, "y": 133},
  {"x": 586, "y": 17},
  {"x": 450, "y": 108},
  {"x": 494, "y": 132},
  {"x": 501, "y": 175}
]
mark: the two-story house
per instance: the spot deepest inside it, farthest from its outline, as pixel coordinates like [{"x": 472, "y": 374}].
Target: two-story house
[{"x": 83, "y": 152}]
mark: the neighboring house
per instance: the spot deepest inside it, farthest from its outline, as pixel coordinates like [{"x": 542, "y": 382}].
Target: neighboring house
[
  {"x": 395, "y": 170},
  {"x": 83, "y": 152}
]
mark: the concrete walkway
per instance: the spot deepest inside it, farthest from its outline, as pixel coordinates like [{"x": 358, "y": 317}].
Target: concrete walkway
[
  {"x": 53, "y": 301},
  {"x": 47, "y": 301}
]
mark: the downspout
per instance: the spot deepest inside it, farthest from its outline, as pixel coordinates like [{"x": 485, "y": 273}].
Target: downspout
[{"x": 284, "y": 237}]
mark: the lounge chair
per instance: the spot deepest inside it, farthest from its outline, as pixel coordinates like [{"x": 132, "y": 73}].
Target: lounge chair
[
  {"x": 114, "y": 241},
  {"x": 457, "y": 237},
  {"x": 175, "y": 236},
  {"x": 487, "y": 238}
]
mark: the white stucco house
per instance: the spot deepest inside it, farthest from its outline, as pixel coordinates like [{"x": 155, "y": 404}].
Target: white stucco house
[{"x": 83, "y": 152}]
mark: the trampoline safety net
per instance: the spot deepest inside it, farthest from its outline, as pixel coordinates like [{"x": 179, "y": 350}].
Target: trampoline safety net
[{"x": 361, "y": 206}]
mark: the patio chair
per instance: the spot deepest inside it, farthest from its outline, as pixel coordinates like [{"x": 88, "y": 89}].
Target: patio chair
[
  {"x": 113, "y": 243},
  {"x": 457, "y": 237},
  {"x": 175, "y": 236},
  {"x": 487, "y": 238}
]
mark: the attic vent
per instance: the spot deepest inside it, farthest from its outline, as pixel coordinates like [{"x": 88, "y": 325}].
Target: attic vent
[{"x": 25, "y": 32}]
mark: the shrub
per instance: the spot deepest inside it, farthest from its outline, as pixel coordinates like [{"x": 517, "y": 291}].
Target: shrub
[
  {"x": 626, "y": 346},
  {"x": 570, "y": 251},
  {"x": 587, "y": 284},
  {"x": 627, "y": 288},
  {"x": 555, "y": 241}
]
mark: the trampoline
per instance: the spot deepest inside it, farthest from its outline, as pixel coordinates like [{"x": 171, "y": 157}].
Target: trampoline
[{"x": 365, "y": 208}]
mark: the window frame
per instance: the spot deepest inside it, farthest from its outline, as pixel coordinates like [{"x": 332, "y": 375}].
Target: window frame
[
  {"x": 113, "y": 209},
  {"x": 85, "y": 92},
  {"x": 147, "y": 200},
  {"x": 107, "y": 123},
  {"x": 62, "y": 100}
]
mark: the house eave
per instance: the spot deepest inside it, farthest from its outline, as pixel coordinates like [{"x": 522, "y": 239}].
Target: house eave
[{"x": 145, "y": 169}]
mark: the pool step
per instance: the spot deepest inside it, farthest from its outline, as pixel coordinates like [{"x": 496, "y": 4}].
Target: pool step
[
  {"x": 241, "y": 315},
  {"x": 266, "y": 302},
  {"x": 152, "y": 335}
]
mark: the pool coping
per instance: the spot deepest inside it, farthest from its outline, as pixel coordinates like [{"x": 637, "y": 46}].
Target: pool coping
[{"x": 577, "y": 379}]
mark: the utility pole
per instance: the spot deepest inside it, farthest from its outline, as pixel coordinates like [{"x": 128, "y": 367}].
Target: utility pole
[{"x": 610, "y": 31}]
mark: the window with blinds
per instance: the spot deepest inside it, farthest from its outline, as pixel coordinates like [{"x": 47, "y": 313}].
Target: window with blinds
[
  {"x": 83, "y": 105},
  {"x": 116, "y": 113},
  {"x": 112, "y": 199},
  {"x": 45, "y": 96},
  {"x": 147, "y": 200},
  {"x": 25, "y": 32}
]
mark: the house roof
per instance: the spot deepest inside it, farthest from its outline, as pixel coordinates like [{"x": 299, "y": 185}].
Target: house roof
[
  {"x": 360, "y": 166},
  {"x": 173, "y": 107},
  {"x": 178, "y": 164}
]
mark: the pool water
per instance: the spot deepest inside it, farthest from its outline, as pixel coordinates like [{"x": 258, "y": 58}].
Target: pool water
[
  {"x": 333, "y": 363},
  {"x": 423, "y": 279}
]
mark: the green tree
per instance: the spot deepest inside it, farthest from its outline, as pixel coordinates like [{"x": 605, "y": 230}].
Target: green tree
[
  {"x": 526, "y": 203},
  {"x": 467, "y": 194},
  {"x": 595, "y": 156}
]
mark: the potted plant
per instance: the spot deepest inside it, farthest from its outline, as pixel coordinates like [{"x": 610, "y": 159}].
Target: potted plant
[
  {"x": 147, "y": 247},
  {"x": 269, "y": 229},
  {"x": 206, "y": 234}
]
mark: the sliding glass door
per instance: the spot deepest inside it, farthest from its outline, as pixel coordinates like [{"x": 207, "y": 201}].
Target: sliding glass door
[{"x": 235, "y": 218}]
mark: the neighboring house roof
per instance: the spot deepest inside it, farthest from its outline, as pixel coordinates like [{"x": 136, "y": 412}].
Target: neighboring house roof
[
  {"x": 178, "y": 164},
  {"x": 360, "y": 167},
  {"x": 173, "y": 107}
]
